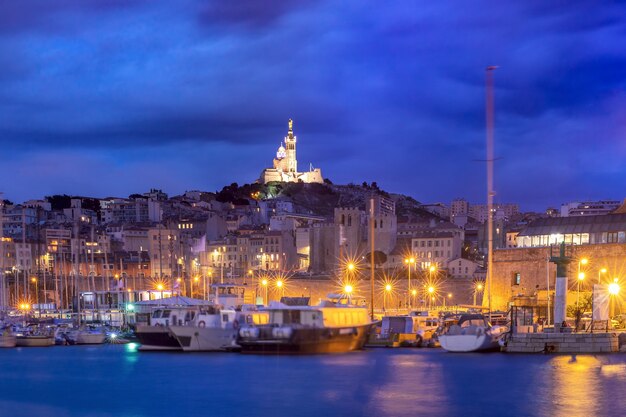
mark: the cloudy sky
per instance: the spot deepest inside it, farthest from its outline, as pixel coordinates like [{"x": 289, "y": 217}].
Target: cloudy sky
[{"x": 112, "y": 97}]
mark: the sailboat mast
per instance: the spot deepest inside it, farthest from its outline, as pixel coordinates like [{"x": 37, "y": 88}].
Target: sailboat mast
[{"x": 489, "y": 108}]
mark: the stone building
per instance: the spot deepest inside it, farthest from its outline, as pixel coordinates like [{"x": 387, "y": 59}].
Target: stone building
[{"x": 521, "y": 275}]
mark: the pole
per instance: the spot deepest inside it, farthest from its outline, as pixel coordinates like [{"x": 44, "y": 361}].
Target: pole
[
  {"x": 372, "y": 266},
  {"x": 548, "y": 288},
  {"x": 490, "y": 191},
  {"x": 409, "y": 289}
]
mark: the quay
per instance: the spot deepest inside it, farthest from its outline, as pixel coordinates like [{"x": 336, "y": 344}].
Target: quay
[{"x": 566, "y": 343}]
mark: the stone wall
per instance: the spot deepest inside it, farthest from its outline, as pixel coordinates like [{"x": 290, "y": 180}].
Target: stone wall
[
  {"x": 563, "y": 343},
  {"x": 534, "y": 269}
]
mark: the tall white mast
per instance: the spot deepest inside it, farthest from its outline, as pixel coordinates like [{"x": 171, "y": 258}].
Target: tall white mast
[{"x": 490, "y": 192}]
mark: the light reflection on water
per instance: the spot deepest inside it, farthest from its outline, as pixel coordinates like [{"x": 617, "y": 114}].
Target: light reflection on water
[{"x": 119, "y": 381}]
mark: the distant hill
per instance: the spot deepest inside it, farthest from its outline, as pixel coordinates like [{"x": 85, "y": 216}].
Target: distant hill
[{"x": 320, "y": 199}]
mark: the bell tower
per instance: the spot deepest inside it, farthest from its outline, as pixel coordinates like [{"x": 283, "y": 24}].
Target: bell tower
[{"x": 290, "y": 148}]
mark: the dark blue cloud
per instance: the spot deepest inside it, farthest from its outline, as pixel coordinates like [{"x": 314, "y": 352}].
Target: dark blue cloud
[{"x": 393, "y": 94}]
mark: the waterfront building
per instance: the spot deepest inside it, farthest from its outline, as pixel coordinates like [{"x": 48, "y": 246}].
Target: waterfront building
[
  {"x": 522, "y": 274},
  {"x": 285, "y": 164},
  {"x": 589, "y": 208}
]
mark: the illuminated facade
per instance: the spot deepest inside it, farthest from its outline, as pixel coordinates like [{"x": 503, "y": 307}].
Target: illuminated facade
[{"x": 285, "y": 165}]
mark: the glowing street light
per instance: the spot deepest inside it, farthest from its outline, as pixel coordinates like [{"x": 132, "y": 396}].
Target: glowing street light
[
  {"x": 409, "y": 261},
  {"x": 279, "y": 285},
  {"x": 264, "y": 284},
  {"x": 351, "y": 267},
  {"x": 477, "y": 288},
  {"x": 614, "y": 287},
  {"x": 388, "y": 289},
  {"x": 581, "y": 278},
  {"x": 600, "y": 272}
]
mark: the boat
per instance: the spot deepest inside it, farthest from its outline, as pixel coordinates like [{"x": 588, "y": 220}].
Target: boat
[
  {"x": 325, "y": 328},
  {"x": 7, "y": 339},
  {"x": 157, "y": 335},
  {"x": 473, "y": 333},
  {"x": 413, "y": 330},
  {"x": 90, "y": 335},
  {"x": 214, "y": 328}
]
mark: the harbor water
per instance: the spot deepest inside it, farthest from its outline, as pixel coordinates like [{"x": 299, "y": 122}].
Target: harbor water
[{"x": 116, "y": 380}]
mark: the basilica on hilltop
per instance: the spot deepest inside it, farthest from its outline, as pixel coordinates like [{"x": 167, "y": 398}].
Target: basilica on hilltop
[{"x": 285, "y": 167}]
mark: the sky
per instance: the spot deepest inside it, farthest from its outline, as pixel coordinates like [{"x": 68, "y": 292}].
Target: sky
[{"x": 113, "y": 97}]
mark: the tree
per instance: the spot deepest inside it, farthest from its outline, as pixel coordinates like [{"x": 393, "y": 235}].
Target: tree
[{"x": 59, "y": 202}]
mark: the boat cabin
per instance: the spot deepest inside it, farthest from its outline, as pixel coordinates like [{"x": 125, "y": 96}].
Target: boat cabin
[
  {"x": 319, "y": 317},
  {"x": 231, "y": 295}
]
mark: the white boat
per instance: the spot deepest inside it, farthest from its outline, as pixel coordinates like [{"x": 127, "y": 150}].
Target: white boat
[
  {"x": 90, "y": 335},
  {"x": 212, "y": 328},
  {"x": 473, "y": 333}
]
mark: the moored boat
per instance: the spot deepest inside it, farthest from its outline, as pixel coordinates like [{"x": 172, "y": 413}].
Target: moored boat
[
  {"x": 34, "y": 340},
  {"x": 473, "y": 333},
  {"x": 326, "y": 328},
  {"x": 213, "y": 328},
  {"x": 7, "y": 339}
]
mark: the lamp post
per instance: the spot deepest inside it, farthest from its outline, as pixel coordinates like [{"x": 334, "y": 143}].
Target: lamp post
[
  {"x": 614, "y": 289},
  {"x": 581, "y": 278},
  {"x": 477, "y": 288},
  {"x": 264, "y": 283},
  {"x": 431, "y": 291},
  {"x": 387, "y": 290},
  {"x": 279, "y": 285},
  {"x": 34, "y": 281},
  {"x": 409, "y": 261},
  {"x": 160, "y": 288},
  {"x": 413, "y": 294},
  {"x": 600, "y": 272},
  {"x": 348, "y": 291}
]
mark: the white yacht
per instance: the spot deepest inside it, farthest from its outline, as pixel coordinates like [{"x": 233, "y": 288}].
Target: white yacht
[
  {"x": 473, "y": 333},
  {"x": 213, "y": 328}
]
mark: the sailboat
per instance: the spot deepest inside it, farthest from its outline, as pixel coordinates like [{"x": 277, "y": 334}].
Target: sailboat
[{"x": 474, "y": 333}]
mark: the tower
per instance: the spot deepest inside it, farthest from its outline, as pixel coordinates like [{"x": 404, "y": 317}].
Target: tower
[{"x": 290, "y": 145}]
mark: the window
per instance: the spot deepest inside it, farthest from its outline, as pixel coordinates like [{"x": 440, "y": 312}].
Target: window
[
  {"x": 517, "y": 278},
  {"x": 611, "y": 237}
]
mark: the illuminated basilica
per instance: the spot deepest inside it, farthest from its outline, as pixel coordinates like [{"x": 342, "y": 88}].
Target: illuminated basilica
[{"x": 285, "y": 167}]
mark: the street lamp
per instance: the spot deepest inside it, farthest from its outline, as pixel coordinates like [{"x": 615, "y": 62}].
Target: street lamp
[
  {"x": 34, "y": 281},
  {"x": 347, "y": 289},
  {"x": 409, "y": 261},
  {"x": 279, "y": 285},
  {"x": 160, "y": 288},
  {"x": 264, "y": 283},
  {"x": 581, "y": 278},
  {"x": 431, "y": 291},
  {"x": 613, "y": 292},
  {"x": 477, "y": 288},
  {"x": 600, "y": 272},
  {"x": 387, "y": 290}
]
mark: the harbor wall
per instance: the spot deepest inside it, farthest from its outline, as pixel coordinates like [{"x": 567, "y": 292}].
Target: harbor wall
[{"x": 565, "y": 343}]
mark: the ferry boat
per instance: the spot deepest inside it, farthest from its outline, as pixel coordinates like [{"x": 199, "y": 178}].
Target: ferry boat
[
  {"x": 473, "y": 333},
  {"x": 325, "y": 328}
]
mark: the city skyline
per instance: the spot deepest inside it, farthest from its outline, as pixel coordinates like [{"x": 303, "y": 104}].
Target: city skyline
[{"x": 110, "y": 98}]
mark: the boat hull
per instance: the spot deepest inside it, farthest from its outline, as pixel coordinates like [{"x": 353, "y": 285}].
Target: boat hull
[
  {"x": 469, "y": 343},
  {"x": 90, "y": 338},
  {"x": 156, "y": 338},
  {"x": 8, "y": 341},
  {"x": 34, "y": 341},
  {"x": 308, "y": 341},
  {"x": 197, "y": 339}
]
